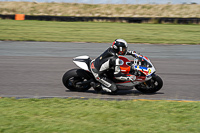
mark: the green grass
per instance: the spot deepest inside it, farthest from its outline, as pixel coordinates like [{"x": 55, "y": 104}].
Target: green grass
[
  {"x": 99, "y": 116},
  {"x": 98, "y": 32}
]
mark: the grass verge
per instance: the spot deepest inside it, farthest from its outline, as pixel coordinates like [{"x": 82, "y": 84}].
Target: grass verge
[
  {"x": 98, "y": 32},
  {"x": 104, "y": 10},
  {"x": 99, "y": 116}
]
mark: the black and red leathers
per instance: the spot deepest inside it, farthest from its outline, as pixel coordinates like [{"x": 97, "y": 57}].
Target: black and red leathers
[{"x": 108, "y": 61}]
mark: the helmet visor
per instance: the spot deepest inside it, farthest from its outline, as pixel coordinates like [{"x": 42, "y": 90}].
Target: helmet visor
[{"x": 124, "y": 49}]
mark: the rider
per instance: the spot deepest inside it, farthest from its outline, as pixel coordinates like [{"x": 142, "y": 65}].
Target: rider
[{"x": 109, "y": 60}]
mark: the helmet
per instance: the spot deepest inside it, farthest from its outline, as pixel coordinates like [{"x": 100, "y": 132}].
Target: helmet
[{"x": 120, "y": 46}]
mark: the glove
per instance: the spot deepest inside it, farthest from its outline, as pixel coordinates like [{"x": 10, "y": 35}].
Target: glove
[
  {"x": 130, "y": 52},
  {"x": 131, "y": 78},
  {"x": 133, "y": 53}
]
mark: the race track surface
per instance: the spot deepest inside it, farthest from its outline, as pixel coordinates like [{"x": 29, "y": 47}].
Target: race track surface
[{"x": 35, "y": 70}]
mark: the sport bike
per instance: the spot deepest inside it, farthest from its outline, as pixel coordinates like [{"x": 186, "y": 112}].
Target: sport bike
[{"x": 81, "y": 79}]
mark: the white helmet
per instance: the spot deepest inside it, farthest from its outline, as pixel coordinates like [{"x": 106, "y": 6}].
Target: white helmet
[{"x": 120, "y": 46}]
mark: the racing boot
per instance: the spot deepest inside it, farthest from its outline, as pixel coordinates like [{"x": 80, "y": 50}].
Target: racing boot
[{"x": 105, "y": 88}]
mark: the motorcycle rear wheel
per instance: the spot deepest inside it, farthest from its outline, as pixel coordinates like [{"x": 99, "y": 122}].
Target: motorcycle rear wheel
[
  {"x": 151, "y": 86},
  {"x": 72, "y": 77}
]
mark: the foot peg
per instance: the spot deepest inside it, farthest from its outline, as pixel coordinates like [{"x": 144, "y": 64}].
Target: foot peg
[{"x": 94, "y": 85}]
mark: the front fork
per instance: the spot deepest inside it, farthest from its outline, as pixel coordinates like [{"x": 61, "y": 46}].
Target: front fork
[{"x": 148, "y": 82}]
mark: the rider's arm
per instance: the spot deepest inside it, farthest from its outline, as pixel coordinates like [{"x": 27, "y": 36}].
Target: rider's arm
[
  {"x": 117, "y": 72},
  {"x": 133, "y": 53}
]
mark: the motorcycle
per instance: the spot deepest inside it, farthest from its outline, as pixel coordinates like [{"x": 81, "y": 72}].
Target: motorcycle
[{"x": 81, "y": 79}]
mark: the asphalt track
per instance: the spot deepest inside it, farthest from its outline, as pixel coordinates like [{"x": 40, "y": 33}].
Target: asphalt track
[{"x": 35, "y": 70}]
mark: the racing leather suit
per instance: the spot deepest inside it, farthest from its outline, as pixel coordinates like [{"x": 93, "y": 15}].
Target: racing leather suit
[{"x": 108, "y": 61}]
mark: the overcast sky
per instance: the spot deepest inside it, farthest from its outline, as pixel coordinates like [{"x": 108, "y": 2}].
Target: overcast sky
[{"x": 118, "y": 1}]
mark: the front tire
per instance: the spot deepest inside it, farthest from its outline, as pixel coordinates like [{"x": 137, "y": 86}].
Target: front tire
[
  {"x": 151, "y": 86},
  {"x": 72, "y": 77}
]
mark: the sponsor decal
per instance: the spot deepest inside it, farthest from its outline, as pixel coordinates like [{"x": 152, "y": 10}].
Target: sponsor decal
[
  {"x": 92, "y": 66},
  {"x": 149, "y": 71}
]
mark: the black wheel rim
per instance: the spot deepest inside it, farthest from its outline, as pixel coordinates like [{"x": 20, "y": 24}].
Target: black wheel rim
[{"x": 149, "y": 85}]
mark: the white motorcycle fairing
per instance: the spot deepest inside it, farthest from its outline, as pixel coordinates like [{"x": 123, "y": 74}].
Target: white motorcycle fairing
[{"x": 80, "y": 61}]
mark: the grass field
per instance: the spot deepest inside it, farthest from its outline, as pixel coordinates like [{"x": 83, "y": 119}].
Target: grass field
[
  {"x": 98, "y": 32},
  {"x": 106, "y": 10},
  {"x": 99, "y": 116}
]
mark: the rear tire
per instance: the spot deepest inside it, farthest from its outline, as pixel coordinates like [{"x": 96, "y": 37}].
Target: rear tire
[
  {"x": 74, "y": 76},
  {"x": 151, "y": 86}
]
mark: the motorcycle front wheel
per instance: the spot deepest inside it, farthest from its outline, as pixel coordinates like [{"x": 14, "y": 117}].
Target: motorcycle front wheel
[
  {"x": 151, "y": 86},
  {"x": 72, "y": 79}
]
